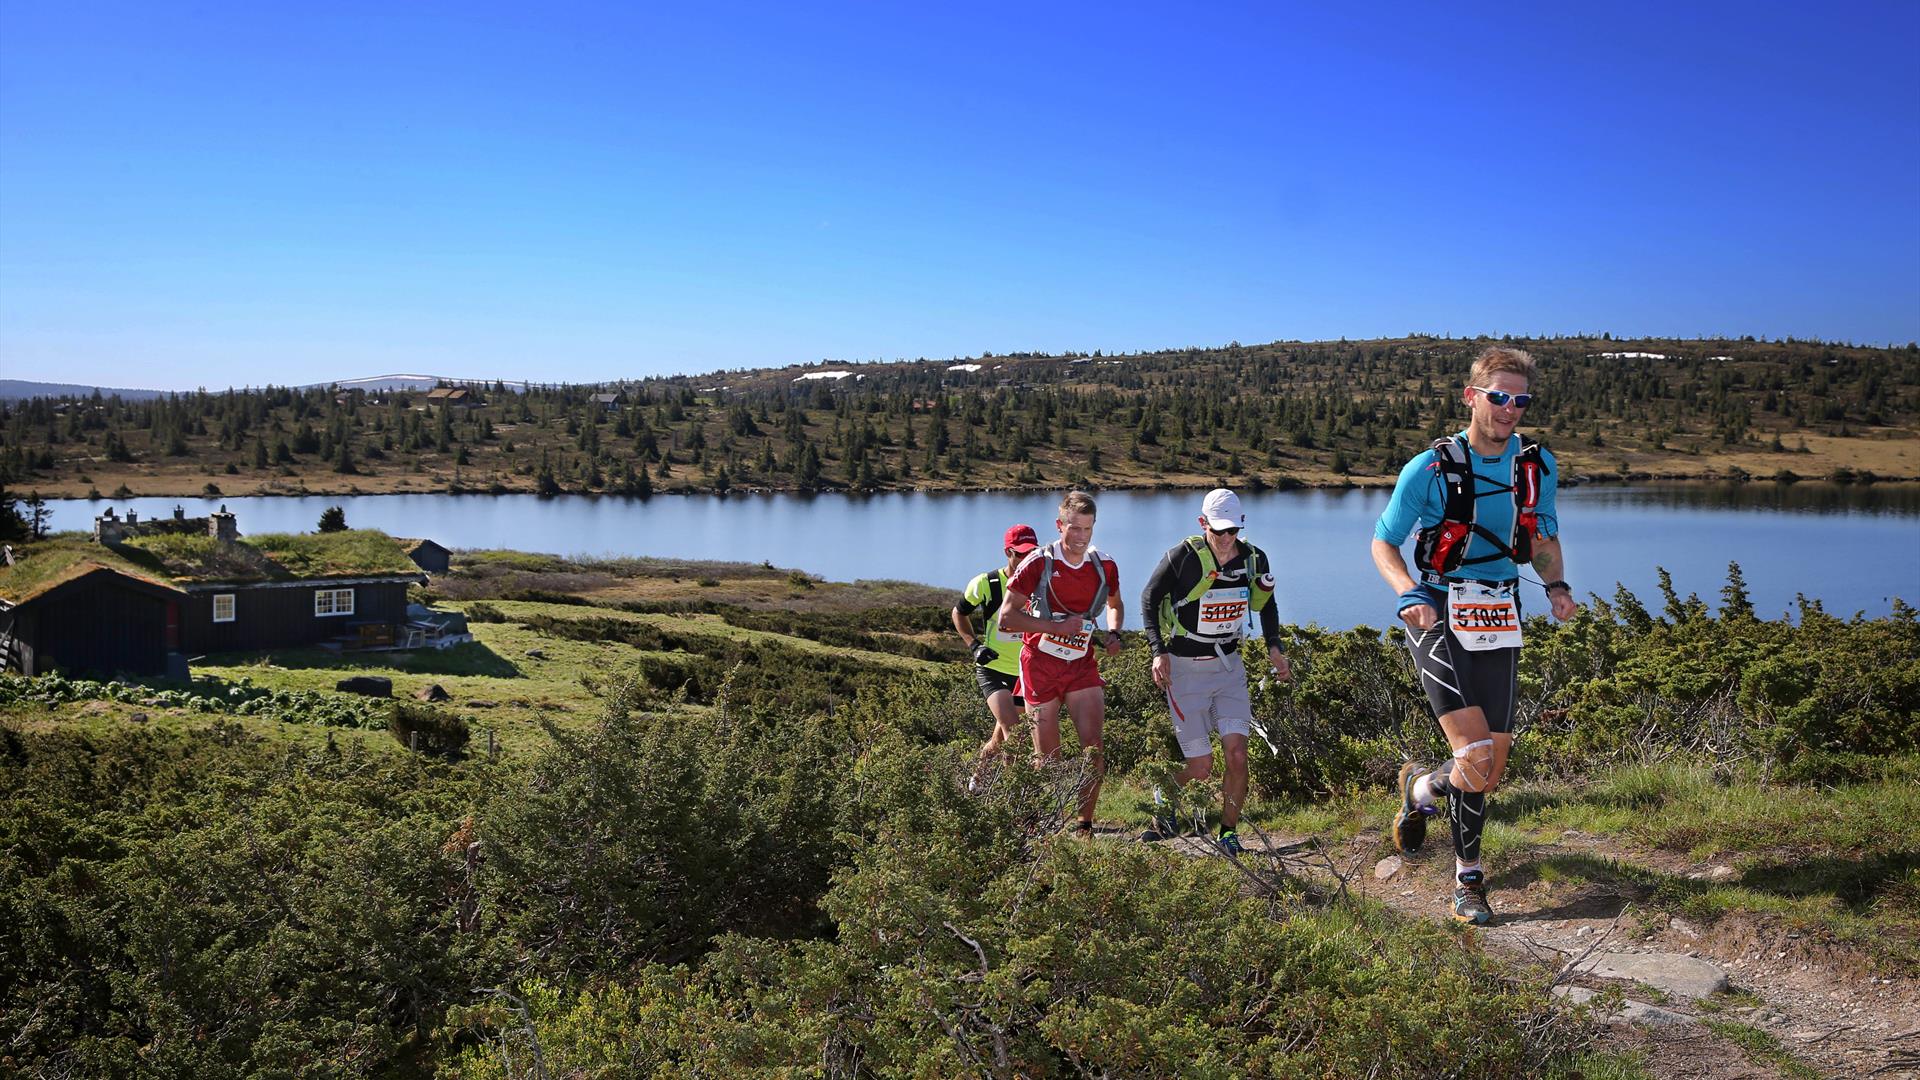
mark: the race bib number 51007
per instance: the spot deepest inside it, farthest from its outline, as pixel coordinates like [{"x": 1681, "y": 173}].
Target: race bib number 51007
[{"x": 1484, "y": 616}]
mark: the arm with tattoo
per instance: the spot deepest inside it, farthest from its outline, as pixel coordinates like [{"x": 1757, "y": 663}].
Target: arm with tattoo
[{"x": 1550, "y": 563}]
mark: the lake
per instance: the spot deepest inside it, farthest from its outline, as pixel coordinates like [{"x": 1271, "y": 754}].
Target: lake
[{"x": 1853, "y": 547}]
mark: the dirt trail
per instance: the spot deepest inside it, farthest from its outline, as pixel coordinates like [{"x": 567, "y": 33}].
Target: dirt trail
[{"x": 1826, "y": 1003}]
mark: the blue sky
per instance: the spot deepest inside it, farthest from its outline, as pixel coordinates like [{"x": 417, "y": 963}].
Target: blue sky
[{"x": 223, "y": 193}]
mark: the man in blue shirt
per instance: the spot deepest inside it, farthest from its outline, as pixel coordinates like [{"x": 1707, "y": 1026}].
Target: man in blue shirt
[{"x": 1483, "y": 502}]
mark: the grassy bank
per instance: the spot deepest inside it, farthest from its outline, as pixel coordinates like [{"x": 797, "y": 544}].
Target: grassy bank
[{"x": 729, "y": 833}]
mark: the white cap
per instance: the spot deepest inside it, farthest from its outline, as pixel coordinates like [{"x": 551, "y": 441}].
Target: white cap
[{"x": 1221, "y": 508}]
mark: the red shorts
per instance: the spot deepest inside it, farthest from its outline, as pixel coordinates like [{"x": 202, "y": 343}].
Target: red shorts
[{"x": 1045, "y": 678}]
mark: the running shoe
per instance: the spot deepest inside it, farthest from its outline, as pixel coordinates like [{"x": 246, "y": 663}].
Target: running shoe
[
  {"x": 1470, "y": 899},
  {"x": 1230, "y": 843},
  {"x": 1410, "y": 824}
]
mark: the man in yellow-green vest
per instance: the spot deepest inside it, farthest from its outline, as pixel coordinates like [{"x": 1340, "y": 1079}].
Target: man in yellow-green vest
[{"x": 996, "y": 653}]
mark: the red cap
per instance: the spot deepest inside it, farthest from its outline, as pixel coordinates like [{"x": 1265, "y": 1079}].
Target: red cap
[{"x": 1021, "y": 539}]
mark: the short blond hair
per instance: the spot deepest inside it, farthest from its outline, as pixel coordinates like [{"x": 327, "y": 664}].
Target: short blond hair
[
  {"x": 1077, "y": 502},
  {"x": 1495, "y": 359}
]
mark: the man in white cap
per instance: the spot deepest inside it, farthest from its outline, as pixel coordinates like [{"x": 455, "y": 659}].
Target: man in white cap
[{"x": 1196, "y": 608}]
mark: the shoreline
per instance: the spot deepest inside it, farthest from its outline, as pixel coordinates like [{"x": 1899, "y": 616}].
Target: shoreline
[{"x": 1852, "y": 478}]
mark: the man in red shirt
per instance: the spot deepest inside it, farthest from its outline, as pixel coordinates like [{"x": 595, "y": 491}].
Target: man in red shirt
[{"x": 1053, "y": 599}]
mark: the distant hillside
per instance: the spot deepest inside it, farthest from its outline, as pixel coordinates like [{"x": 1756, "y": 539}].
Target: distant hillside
[
  {"x": 1283, "y": 414},
  {"x": 386, "y": 383},
  {"x": 21, "y": 389}
]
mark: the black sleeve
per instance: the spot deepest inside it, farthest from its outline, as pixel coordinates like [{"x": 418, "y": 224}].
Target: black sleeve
[
  {"x": 1161, "y": 584},
  {"x": 1270, "y": 623},
  {"x": 1258, "y": 560}
]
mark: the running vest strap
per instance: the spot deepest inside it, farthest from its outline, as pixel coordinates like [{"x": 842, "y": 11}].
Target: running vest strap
[
  {"x": 1043, "y": 607},
  {"x": 1169, "y": 614},
  {"x": 1442, "y": 548},
  {"x": 996, "y": 592},
  {"x": 985, "y": 596}
]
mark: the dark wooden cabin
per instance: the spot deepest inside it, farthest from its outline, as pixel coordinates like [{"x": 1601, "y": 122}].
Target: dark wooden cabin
[
  {"x": 244, "y": 617},
  {"x": 140, "y": 597},
  {"x": 99, "y": 622}
]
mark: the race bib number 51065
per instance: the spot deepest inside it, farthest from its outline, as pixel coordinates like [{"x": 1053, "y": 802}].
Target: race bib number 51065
[{"x": 1068, "y": 646}]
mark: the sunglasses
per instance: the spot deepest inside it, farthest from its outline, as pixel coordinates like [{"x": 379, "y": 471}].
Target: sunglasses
[
  {"x": 1501, "y": 397},
  {"x": 1235, "y": 531}
]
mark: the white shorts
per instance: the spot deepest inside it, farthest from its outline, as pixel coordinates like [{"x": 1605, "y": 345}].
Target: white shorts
[{"x": 1208, "y": 697}]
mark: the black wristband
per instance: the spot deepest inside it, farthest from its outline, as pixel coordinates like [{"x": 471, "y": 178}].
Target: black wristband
[{"x": 1552, "y": 585}]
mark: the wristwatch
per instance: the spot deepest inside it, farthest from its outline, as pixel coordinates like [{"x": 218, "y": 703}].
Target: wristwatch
[{"x": 1552, "y": 585}]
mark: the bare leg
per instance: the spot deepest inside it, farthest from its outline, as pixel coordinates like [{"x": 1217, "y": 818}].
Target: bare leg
[
  {"x": 1046, "y": 729},
  {"x": 1006, "y": 722},
  {"x": 1233, "y": 790},
  {"x": 1088, "y": 707},
  {"x": 1196, "y": 768}
]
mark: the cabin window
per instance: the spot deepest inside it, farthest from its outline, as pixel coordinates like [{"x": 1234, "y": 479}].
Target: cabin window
[
  {"x": 223, "y": 607},
  {"x": 333, "y": 602}
]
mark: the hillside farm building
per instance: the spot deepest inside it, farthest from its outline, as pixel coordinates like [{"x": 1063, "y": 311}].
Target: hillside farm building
[{"x": 142, "y": 597}]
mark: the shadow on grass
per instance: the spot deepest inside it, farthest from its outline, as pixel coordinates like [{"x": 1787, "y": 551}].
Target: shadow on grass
[
  {"x": 1610, "y": 885},
  {"x": 469, "y": 658},
  {"x": 1858, "y": 883},
  {"x": 1511, "y": 806}
]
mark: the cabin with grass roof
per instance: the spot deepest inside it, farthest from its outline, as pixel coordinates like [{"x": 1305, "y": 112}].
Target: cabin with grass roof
[{"x": 144, "y": 597}]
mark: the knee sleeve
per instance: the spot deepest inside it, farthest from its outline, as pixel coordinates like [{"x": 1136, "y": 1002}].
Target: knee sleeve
[{"x": 1475, "y": 764}]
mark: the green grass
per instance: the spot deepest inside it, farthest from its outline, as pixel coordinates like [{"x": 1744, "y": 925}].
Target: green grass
[
  {"x": 46, "y": 563},
  {"x": 1762, "y": 1048},
  {"x": 1128, "y": 800},
  {"x": 705, "y": 625},
  {"x": 336, "y": 554},
  {"x": 1841, "y": 859},
  {"x": 1598, "y": 1065},
  {"x": 564, "y": 685},
  {"x": 524, "y": 690}
]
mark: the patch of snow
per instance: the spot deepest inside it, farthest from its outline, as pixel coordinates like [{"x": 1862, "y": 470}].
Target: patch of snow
[
  {"x": 1633, "y": 356},
  {"x": 964, "y": 367},
  {"x": 1722, "y": 358},
  {"x": 823, "y": 375}
]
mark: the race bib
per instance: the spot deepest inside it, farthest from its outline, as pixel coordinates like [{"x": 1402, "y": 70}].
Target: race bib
[
  {"x": 1221, "y": 613},
  {"x": 1068, "y": 646},
  {"x": 1484, "y": 616}
]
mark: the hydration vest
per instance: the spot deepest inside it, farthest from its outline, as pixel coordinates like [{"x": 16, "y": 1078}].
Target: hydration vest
[
  {"x": 1257, "y": 598},
  {"x": 1441, "y": 549},
  {"x": 1043, "y": 608},
  {"x": 990, "y": 611}
]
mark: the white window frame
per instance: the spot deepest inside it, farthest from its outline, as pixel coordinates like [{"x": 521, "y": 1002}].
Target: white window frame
[
  {"x": 230, "y": 603},
  {"x": 330, "y": 602}
]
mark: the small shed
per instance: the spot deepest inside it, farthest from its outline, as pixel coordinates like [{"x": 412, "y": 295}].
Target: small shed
[{"x": 427, "y": 555}]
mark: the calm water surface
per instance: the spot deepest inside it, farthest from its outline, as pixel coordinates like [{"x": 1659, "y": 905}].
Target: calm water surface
[{"x": 1852, "y": 547}]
